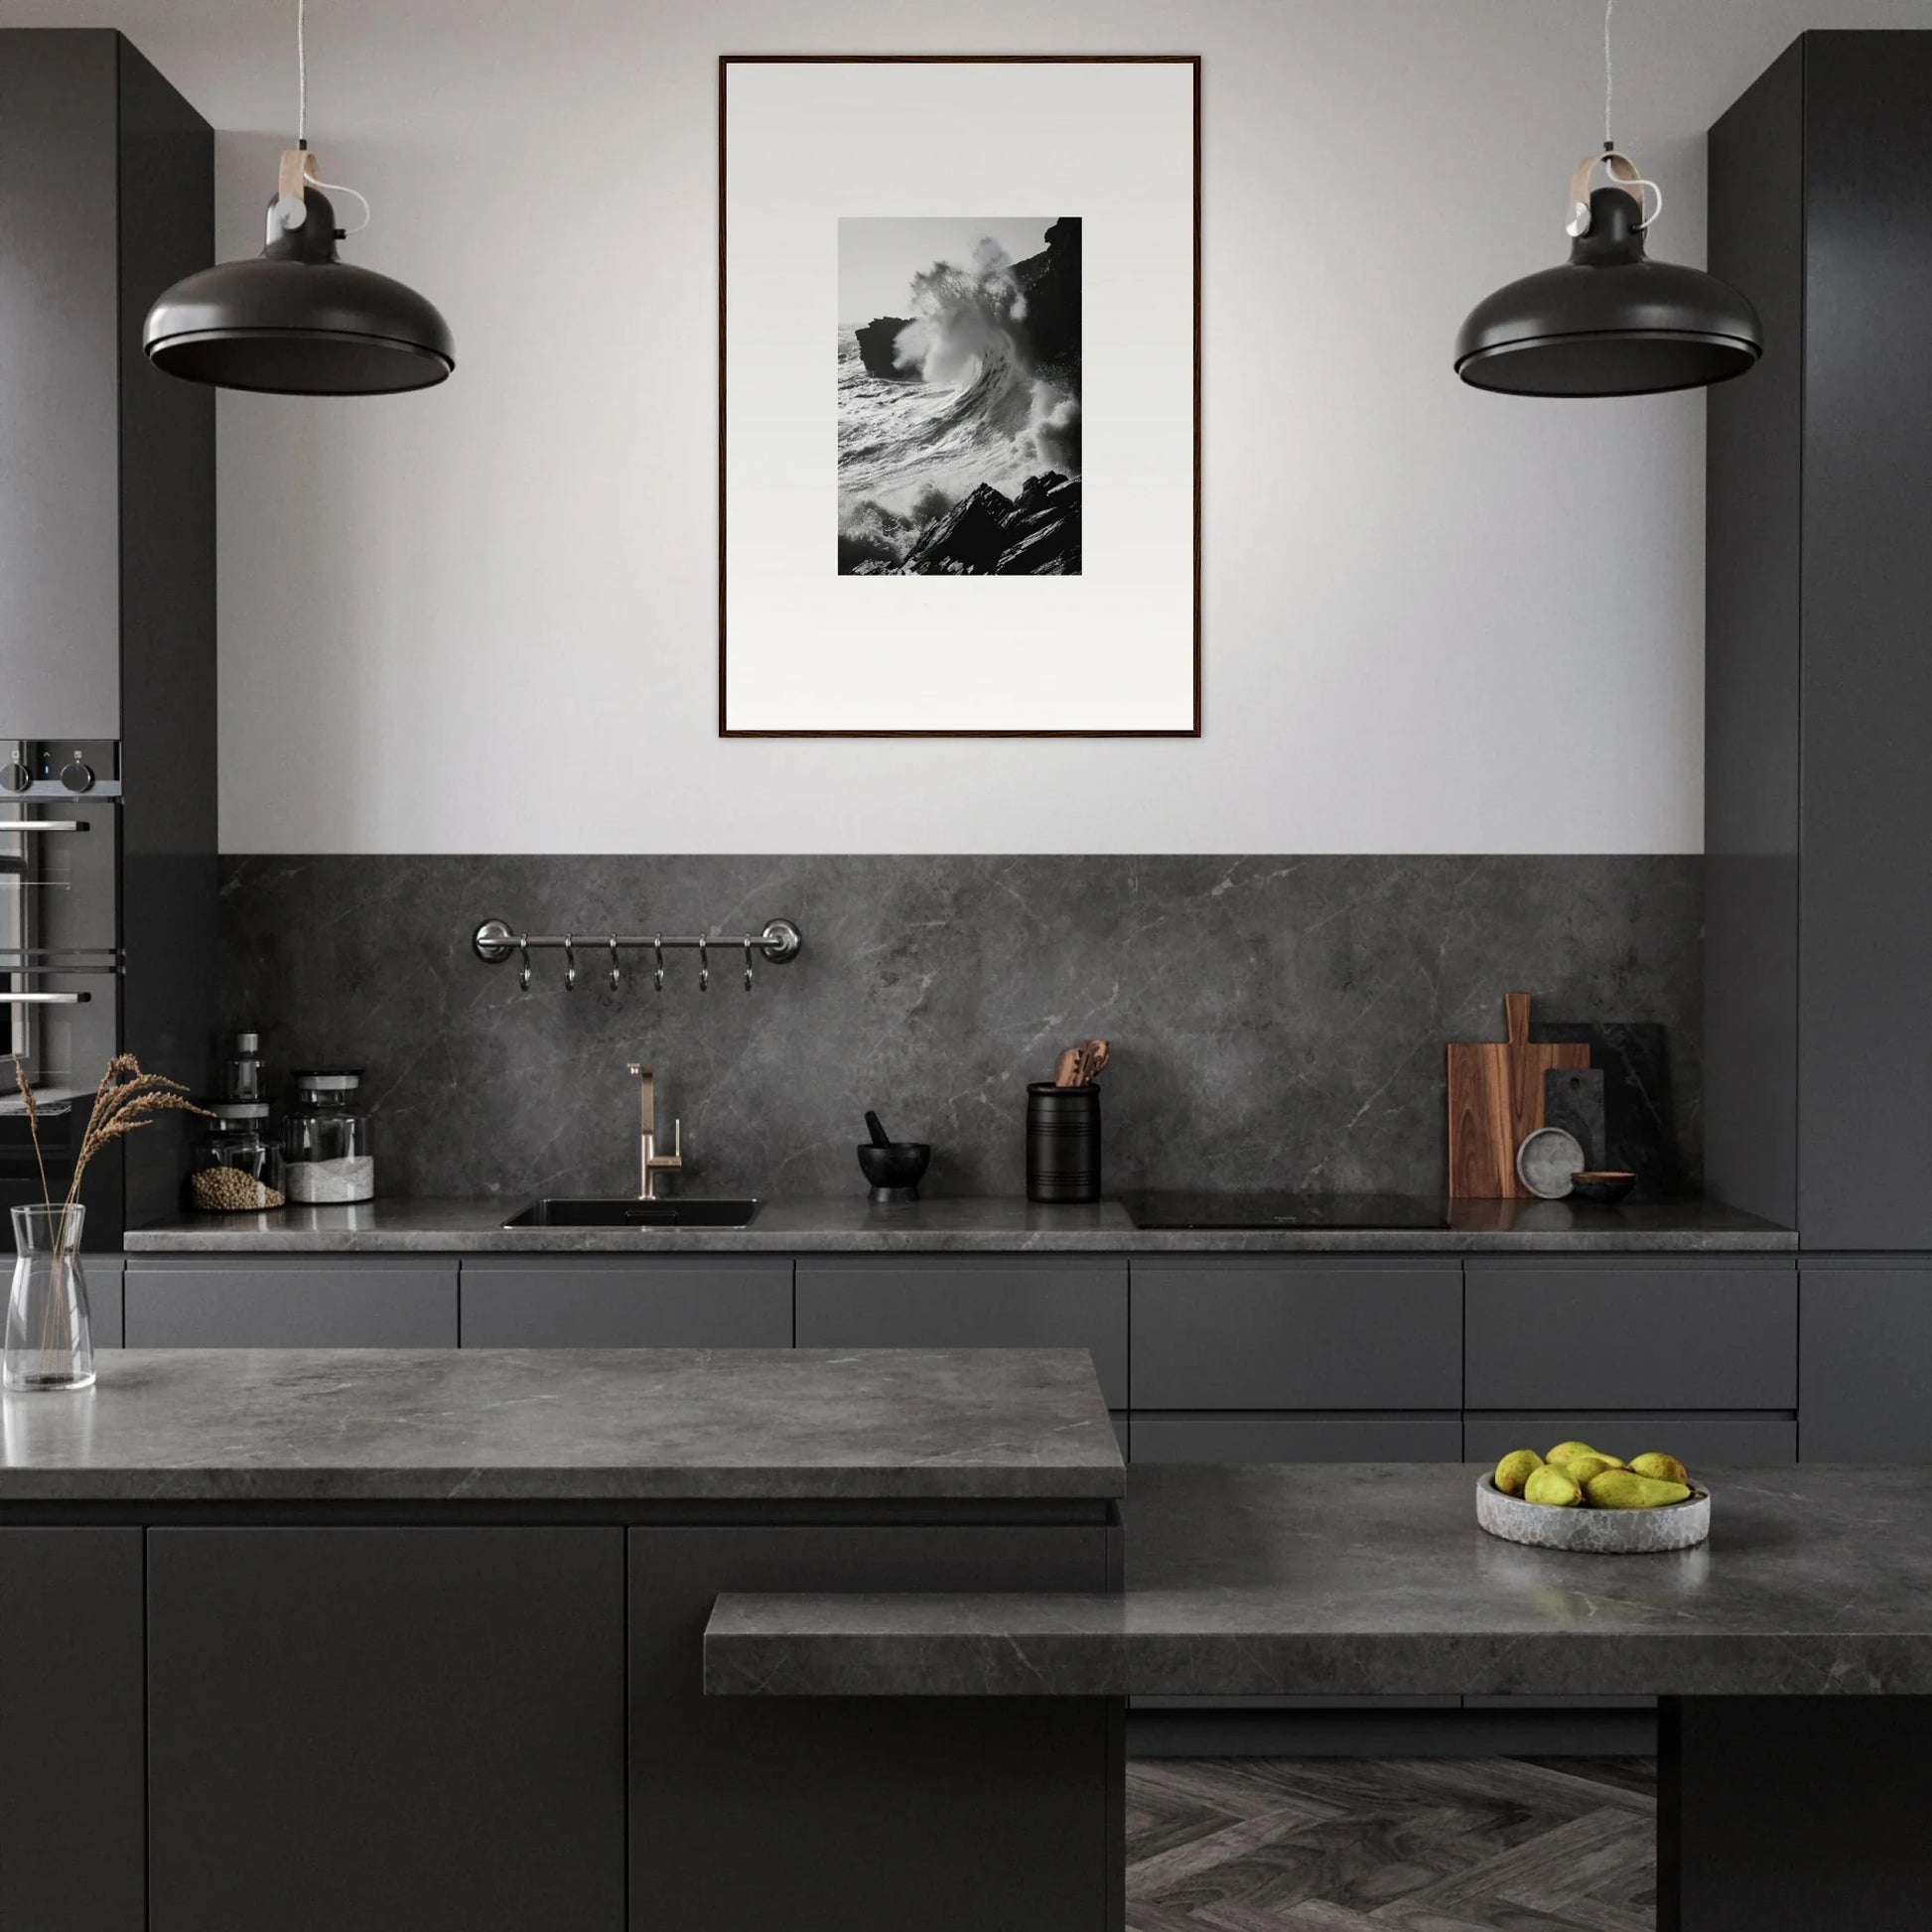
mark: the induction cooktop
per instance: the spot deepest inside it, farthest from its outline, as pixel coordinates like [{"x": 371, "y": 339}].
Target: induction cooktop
[{"x": 1159, "y": 1209}]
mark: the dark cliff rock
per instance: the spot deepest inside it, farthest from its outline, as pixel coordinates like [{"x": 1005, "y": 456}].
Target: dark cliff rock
[
  {"x": 987, "y": 535},
  {"x": 875, "y": 340},
  {"x": 1050, "y": 282}
]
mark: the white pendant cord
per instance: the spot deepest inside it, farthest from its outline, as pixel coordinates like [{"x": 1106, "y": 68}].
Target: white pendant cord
[{"x": 289, "y": 211}]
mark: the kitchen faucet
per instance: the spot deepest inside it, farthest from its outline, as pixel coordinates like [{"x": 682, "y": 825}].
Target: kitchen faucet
[{"x": 650, "y": 1164}]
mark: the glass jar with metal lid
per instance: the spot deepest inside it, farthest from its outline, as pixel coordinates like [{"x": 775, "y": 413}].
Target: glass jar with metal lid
[
  {"x": 329, "y": 1155},
  {"x": 237, "y": 1167}
]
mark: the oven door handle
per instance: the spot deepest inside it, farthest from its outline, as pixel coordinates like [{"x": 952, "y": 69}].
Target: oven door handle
[
  {"x": 42, "y": 825},
  {"x": 44, "y": 999}
]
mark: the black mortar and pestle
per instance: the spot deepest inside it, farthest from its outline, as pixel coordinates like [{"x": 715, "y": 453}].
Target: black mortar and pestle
[{"x": 892, "y": 1167}]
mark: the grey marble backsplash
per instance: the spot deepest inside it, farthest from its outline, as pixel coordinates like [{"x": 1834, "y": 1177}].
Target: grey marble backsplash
[{"x": 1275, "y": 1022}]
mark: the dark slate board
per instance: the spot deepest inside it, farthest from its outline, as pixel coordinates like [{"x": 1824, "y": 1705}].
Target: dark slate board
[
  {"x": 1634, "y": 1057},
  {"x": 1572, "y": 1099}
]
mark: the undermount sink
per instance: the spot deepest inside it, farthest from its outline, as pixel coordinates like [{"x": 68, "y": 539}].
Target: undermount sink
[{"x": 634, "y": 1213}]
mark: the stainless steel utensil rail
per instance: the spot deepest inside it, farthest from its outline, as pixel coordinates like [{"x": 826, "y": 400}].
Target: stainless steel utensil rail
[{"x": 494, "y": 941}]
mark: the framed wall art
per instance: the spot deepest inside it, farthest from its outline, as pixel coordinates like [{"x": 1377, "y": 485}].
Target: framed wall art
[{"x": 959, "y": 396}]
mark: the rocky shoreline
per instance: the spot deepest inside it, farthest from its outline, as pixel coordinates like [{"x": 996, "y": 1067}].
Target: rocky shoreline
[{"x": 989, "y": 534}]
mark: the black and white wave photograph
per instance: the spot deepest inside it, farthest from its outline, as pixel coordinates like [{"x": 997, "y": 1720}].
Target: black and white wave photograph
[{"x": 959, "y": 396}]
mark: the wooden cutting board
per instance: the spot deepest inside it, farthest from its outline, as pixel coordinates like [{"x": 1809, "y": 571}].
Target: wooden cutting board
[{"x": 1495, "y": 1099}]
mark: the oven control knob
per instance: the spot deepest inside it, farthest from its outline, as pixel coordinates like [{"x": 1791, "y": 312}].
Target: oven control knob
[
  {"x": 77, "y": 776},
  {"x": 15, "y": 776}
]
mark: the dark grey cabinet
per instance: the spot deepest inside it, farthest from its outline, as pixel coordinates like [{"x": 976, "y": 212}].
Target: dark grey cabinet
[
  {"x": 1818, "y": 681},
  {"x": 1553, "y": 1332},
  {"x": 404, "y": 1729},
  {"x": 571, "y": 1301},
  {"x": 1170, "y": 1437},
  {"x": 1738, "y": 1438},
  {"x": 1269, "y": 1333},
  {"x": 272, "y": 1301},
  {"x": 72, "y": 1741},
  {"x": 974, "y": 1785},
  {"x": 942, "y": 1302},
  {"x": 103, "y": 1273},
  {"x": 1867, "y": 1361}
]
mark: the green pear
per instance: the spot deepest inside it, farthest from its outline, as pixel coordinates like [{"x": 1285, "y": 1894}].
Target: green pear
[
  {"x": 1515, "y": 1469},
  {"x": 1565, "y": 1451},
  {"x": 1665, "y": 1469},
  {"x": 1580, "y": 1468},
  {"x": 1550, "y": 1485},
  {"x": 1623, "y": 1489}
]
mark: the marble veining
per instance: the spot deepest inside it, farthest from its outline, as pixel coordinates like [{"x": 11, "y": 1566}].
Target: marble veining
[
  {"x": 1373, "y": 1579},
  {"x": 1275, "y": 1022},
  {"x": 544, "y": 1424},
  {"x": 962, "y": 1225}
]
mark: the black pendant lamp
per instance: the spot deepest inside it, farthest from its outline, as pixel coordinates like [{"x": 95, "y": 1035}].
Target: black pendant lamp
[
  {"x": 1609, "y": 321},
  {"x": 296, "y": 320}
]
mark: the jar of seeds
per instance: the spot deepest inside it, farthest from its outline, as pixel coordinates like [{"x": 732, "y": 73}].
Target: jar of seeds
[{"x": 238, "y": 1165}]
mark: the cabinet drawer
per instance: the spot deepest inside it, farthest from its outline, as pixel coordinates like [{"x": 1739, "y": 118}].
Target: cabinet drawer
[
  {"x": 696, "y": 1301},
  {"x": 1267, "y": 1334},
  {"x": 1652, "y": 1335},
  {"x": 103, "y": 1273},
  {"x": 271, "y": 1303},
  {"x": 1867, "y": 1363},
  {"x": 1017, "y": 1301},
  {"x": 1298, "y": 1439},
  {"x": 1736, "y": 1440}
]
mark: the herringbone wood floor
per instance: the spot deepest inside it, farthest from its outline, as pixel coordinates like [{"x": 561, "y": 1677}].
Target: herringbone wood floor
[{"x": 1391, "y": 1845}]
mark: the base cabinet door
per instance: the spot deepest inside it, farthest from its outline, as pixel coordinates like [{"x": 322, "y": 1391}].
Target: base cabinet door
[
  {"x": 1740, "y": 1440},
  {"x": 275, "y": 1302},
  {"x": 390, "y": 1730},
  {"x": 576, "y": 1302},
  {"x": 832, "y": 1814},
  {"x": 1866, "y": 1362},
  {"x": 70, "y": 1736}
]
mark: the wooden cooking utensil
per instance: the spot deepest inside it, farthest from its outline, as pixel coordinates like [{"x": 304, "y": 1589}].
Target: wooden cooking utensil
[
  {"x": 1495, "y": 1100},
  {"x": 1066, "y": 1069}
]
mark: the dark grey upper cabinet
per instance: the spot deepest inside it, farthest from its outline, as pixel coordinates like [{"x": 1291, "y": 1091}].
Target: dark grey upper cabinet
[
  {"x": 1818, "y": 679},
  {"x": 106, "y": 532},
  {"x": 1264, "y": 1333}
]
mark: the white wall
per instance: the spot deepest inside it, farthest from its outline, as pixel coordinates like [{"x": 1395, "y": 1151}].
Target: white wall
[{"x": 483, "y": 619}]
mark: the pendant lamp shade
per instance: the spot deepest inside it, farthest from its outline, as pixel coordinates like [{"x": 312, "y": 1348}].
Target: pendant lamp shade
[
  {"x": 1609, "y": 321},
  {"x": 298, "y": 321}
]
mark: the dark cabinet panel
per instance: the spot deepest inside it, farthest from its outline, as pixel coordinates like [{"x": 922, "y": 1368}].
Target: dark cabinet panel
[
  {"x": 939, "y": 1302},
  {"x": 1867, "y": 1359},
  {"x": 1266, "y": 1333},
  {"x": 1864, "y": 1061},
  {"x": 1739, "y": 1440},
  {"x": 71, "y": 1766},
  {"x": 693, "y": 1302},
  {"x": 60, "y": 428},
  {"x": 273, "y": 1302},
  {"x": 1298, "y": 1439},
  {"x": 103, "y": 1273},
  {"x": 396, "y": 1729},
  {"x": 827, "y": 1813},
  {"x": 1553, "y": 1333}
]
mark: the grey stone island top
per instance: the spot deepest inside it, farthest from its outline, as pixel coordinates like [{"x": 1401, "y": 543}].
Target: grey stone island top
[
  {"x": 962, "y": 1225},
  {"x": 306, "y": 1425},
  {"x": 1374, "y": 1580}
]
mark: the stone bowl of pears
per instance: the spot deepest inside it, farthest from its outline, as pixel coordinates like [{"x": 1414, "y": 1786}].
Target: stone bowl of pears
[{"x": 1580, "y": 1498}]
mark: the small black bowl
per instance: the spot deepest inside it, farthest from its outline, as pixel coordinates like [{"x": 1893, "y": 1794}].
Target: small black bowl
[
  {"x": 895, "y": 1169},
  {"x": 1606, "y": 1187}
]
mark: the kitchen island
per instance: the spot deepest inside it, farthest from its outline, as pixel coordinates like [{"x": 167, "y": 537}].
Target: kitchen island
[
  {"x": 413, "y": 1640},
  {"x": 1793, "y": 1651}
]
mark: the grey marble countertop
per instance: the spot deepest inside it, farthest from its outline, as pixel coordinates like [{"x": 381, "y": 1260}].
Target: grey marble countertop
[
  {"x": 961, "y": 1225},
  {"x": 1373, "y": 1579},
  {"x": 480, "y": 1426}
]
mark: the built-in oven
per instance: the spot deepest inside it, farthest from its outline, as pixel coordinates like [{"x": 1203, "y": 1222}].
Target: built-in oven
[{"x": 60, "y": 960}]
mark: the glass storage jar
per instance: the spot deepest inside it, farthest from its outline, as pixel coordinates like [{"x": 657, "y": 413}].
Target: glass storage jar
[
  {"x": 237, "y": 1167},
  {"x": 330, "y": 1156}
]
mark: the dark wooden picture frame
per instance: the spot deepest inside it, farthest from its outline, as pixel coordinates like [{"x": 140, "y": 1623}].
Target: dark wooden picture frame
[{"x": 725, "y": 63}]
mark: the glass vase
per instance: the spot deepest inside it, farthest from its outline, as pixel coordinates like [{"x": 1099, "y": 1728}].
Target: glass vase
[{"x": 50, "y": 1339}]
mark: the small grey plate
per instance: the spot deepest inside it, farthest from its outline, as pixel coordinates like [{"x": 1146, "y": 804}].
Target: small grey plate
[
  {"x": 1594, "y": 1532},
  {"x": 1546, "y": 1161}
]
